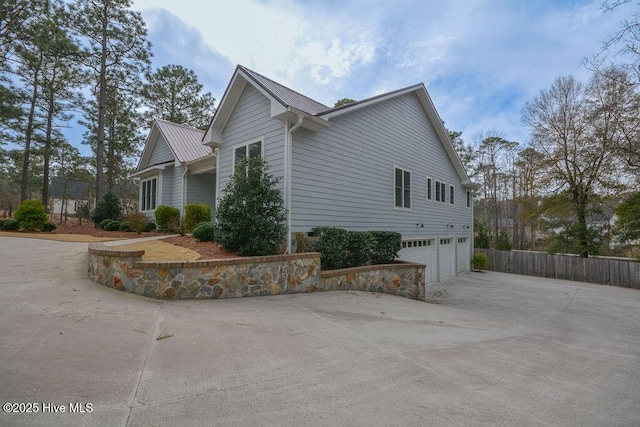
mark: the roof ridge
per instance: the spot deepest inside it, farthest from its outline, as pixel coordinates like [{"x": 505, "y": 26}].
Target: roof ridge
[
  {"x": 179, "y": 124},
  {"x": 250, "y": 71},
  {"x": 371, "y": 98}
]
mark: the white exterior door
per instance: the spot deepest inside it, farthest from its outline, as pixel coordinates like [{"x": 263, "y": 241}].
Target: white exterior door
[
  {"x": 464, "y": 254},
  {"x": 446, "y": 258},
  {"x": 421, "y": 251}
]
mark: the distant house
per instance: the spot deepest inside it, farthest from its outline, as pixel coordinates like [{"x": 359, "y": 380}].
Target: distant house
[
  {"x": 175, "y": 169},
  {"x": 66, "y": 196}
]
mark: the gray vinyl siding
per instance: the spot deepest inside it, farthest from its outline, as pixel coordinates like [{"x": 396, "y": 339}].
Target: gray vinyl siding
[
  {"x": 343, "y": 176},
  {"x": 201, "y": 189},
  {"x": 168, "y": 177},
  {"x": 252, "y": 119},
  {"x": 161, "y": 152}
]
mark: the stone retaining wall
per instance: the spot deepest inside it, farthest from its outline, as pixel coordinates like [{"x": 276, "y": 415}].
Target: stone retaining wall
[
  {"x": 402, "y": 279},
  {"x": 243, "y": 277}
]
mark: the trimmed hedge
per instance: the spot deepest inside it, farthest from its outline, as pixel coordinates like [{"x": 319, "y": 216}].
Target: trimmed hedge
[
  {"x": 360, "y": 247},
  {"x": 168, "y": 218},
  {"x": 332, "y": 245},
  {"x": 113, "y": 225},
  {"x": 125, "y": 226},
  {"x": 386, "y": 247},
  {"x": 10, "y": 225},
  {"x": 195, "y": 213},
  {"x": 104, "y": 223},
  {"x": 49, "y": 227},
  {"x": 205, "y": 232},
  {"x": 340, "y": 248}
]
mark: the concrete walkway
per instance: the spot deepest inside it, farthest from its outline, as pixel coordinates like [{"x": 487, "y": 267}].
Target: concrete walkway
[{"x": 492, "y": 349}]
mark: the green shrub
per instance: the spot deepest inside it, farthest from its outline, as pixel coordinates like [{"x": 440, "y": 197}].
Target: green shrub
[
  {"x": 138, "y": 222},
  {"x": 150, "y": 227},
  {"x": 168, "y": 218},
  {"x": 125, "y": 226},
  {"x": 31, "y": 215},
  {"x": 49, "y": 227},
  {"x": 195, "y": 213},
  {"x": 386, "y": 247},
  {"x": 251, "y": 215},
  {"x": 333, "y": 246},
  {"x": 107, "y": 208},
  {"x": 10, "y": 225},
  {"x": 360, "y": 247},
  {"x": 113, "y": 225},
  {"x": 480, "y": 261},
  {"x": 104, "y": 222},
  {"x": 205, "y": 232}
]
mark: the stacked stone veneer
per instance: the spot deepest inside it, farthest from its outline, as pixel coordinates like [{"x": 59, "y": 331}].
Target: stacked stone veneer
[{"x": 244, "y": 277}]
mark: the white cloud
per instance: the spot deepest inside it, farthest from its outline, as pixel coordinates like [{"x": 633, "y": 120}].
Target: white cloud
[{"x": 481, "y": 59}]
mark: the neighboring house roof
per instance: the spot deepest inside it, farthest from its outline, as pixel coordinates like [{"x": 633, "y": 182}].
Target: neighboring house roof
[
  {"x": 184, "y": 141},
  {"x": 75, "y": 189},
  {"x": 292, "y": 107}
]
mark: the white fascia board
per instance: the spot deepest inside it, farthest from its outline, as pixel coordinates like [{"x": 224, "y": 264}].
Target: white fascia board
[
  {"x": 146, "y": 171},
  {"x": 436, "y": 121},
  {"x": 213, "y": 135},
  {"x": 291, "y": 114}
]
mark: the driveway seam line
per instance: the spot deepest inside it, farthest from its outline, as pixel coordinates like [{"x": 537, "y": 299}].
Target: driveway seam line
[{"x": 144, "y": 364}]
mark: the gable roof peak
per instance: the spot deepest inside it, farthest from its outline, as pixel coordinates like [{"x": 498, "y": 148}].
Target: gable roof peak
[{"x": 286, "y": 96}]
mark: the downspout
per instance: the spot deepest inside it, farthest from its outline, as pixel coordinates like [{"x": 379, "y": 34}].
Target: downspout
[
  {"x": 287, "y": 175},
  {"x": 184, "y": 187}
]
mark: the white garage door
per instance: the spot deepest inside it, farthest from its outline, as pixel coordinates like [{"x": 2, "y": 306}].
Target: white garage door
[
  {"x": 464, "y": 255},
  {"x": 446, "y": 258},
  {"x": 422, "y": 251}
]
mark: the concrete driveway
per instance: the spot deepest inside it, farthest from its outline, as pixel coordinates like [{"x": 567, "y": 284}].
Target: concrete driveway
[{"x": 492, "y": 349}]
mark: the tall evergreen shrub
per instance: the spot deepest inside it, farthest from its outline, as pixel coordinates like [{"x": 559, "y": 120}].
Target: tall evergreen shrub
[{"x": 251, "y": 216}]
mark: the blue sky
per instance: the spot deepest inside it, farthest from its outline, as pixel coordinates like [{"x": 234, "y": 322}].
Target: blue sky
[{"x": 481, "y": 60}]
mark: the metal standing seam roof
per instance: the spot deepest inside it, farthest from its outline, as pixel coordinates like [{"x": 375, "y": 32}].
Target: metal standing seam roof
[
  {"x": 285, "y": 95},
  {"x": 185, "y": 141}
]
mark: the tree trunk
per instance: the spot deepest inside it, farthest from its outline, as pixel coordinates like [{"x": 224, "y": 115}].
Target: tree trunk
[
  {"x": 102, "y": 96},
  {"x": 24, "y": 185},
  {"x": 48, "y": 142},
  {"x": 580, "y": 201}
]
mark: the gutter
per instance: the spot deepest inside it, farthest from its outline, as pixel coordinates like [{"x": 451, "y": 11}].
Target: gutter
[{"x": 287, "y": 174}]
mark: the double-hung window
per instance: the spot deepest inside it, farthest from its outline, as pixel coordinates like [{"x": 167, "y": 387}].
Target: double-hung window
[
  {"x": 441, "y": 192},
  {"x": 149, "y": 194},
  {"x": 403, "y": 188},
  {"x": 429, "y": 189},
  {"x": 247, "y": 151},
  {"x": 452, "y": 192},
  {"x": 468, "y": 198}
]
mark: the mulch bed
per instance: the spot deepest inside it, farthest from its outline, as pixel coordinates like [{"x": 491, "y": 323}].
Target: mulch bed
[{"x": 207, "y": 250}]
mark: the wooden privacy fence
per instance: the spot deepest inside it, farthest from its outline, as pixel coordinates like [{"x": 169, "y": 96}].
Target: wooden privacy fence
[{"x": 604, "y": 271}]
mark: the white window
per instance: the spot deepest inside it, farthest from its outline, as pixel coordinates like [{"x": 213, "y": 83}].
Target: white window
[
  {"x": 468, "y": 198},
  {"x": 441, "y": 192},
  {"x": 429, "y": 189},
  {"x": 247, "y": 150},
  {"x": 452, "y": 192},
  {"x": 149, "y": 194},
  {"x": 403, "y": 188}
]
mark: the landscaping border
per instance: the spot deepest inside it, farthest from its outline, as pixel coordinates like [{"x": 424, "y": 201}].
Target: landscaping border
[{"x": 245, "y": 277}]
